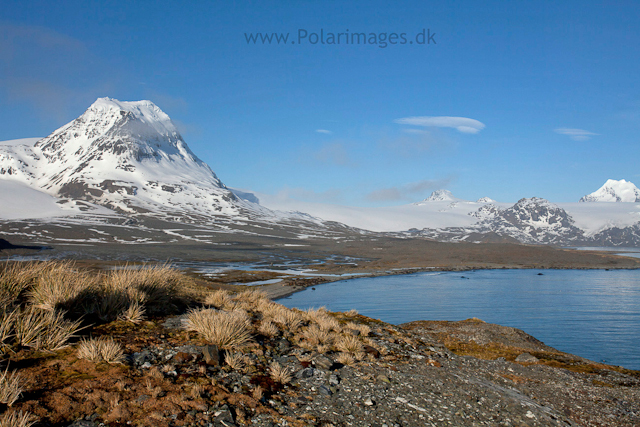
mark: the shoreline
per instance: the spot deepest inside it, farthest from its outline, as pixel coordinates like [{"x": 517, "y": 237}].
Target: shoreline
[{"x": 277, "y": 291}]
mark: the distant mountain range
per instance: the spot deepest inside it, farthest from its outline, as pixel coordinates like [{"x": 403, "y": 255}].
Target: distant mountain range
[{"x": 123, "y": 166}]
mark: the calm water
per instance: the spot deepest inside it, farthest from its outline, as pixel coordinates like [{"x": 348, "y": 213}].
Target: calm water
[{"x": 591, "y": 313}]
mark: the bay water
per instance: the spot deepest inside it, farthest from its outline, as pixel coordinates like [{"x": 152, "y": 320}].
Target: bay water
[{"x": 590, "y": 313}]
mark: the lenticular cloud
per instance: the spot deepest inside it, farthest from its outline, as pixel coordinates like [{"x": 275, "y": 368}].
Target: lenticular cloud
[{"x": 461, "y": 124}]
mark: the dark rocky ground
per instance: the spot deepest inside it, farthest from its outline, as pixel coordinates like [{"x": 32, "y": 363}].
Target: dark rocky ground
[{"x": 408, "y": 377}]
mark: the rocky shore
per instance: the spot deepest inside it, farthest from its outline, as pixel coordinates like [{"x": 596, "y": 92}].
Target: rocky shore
[{"x": 231, "y": 357}]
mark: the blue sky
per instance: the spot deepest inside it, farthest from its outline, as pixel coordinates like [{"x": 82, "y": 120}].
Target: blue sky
[{"x": 514, "y": 99}]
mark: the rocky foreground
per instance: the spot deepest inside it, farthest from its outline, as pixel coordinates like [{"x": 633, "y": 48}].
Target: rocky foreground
[{"x": 282, "y": 367}]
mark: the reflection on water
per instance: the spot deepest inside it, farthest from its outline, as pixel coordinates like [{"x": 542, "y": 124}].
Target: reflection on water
[{"x": 591, "y": 313}]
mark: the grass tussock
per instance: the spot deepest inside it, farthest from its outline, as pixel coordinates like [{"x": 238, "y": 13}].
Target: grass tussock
[
  {"x": 314, "y": 336},
  {"x": 11, "y": 387},
  {"x": 101, "y": 350},
  {"x": 279, "y": 373},
  {"x": 349, "y": 344},
  {"x": 220, "y": 299},
  {"x": 156, "y": 289},
  {"x": 227, "y": 329},
  {"x": 16, "y": 278},
  {"x": 288, "y": 319},
  {"x": 268, "y": 328},
  {"x": 60, "y": 285},
  {"x": 135, "y": 313},
  {"x": 346, "y": 359},
  {"x": 235, "y": 360},
  {"x": 17, "y": 419},
  {"x": 43, "y": 329}
]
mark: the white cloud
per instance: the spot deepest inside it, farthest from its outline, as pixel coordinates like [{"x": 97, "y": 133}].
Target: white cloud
[
  {"x": 461, "y": 124},
  {"x": 575, "y": 134},
  {"x": 325, "y": 131},
  {"x": 407, "y": 192}
]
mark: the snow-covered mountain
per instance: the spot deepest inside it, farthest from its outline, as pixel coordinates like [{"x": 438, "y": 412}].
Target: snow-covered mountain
[
  {"x": 127, "y": 156},
  {"x": 439, "y": 196},
  {"x": 127, "y": 160},
  {"x": 614, "y": 191},
  {"x": 533, "y": 220}
]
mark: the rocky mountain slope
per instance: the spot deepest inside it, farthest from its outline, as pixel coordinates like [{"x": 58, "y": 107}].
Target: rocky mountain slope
[{"x": 533, "y": 221}]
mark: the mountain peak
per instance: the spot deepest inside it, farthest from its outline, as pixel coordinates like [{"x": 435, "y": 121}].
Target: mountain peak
[
  {"x": 614, "y": 191},
  {"x": 440, "y": 196},
  {"x": 144, "y": 111},
  {"x": 485, "y": 200},
  {"x": 127, "y": 156}
]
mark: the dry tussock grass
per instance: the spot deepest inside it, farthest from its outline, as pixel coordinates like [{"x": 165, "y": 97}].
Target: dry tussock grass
[
  {"x": 289, "y": 319},
  {"x": 43, "y": 329},
  {"x": 220, "y": 299},
  {"x": 196, "y": 391},
  {"x": 60, "y": 285},
  {"x": 235, "y": 361},
  {"x": 7, "y": 322},
  {"x": 257, "y": 393},
  {"x": 268, "y": 328},
  {"x": 101, "y": 350},
  {"x": 15, "y": 278},
  {"x": 349, "y": 344},
  {"x": 17, "y": 419},
  {"x": 157, "y": 286},
  {"x": 346, "y": 359},
  {"x": 11, "y": 387},
  {"x": 253, "y": 297},
  {"x": 227, "y": 329},
  {"x": 279, "y": 373},
  {"x": 364, "y": 330},
  {"x": 323, "y": 319},
  {"x": 316, "y": 336},
  {"x": 134, "y": 313}
]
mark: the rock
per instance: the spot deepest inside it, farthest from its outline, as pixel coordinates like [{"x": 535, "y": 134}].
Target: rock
[
  {"x": 142, "y": 398},
  {"x": 369, "y": 402},
  {"x": 211, "y": 355},
  {"x": 324, "y": 390},
  {"x": 527, "y": 358},
  {"x": 178, "y": 322},
  {"x": 305, "y": 373},
  {"x": 334, "y": 380},
  {"x": 323, "y": 362},
  {"x": 224, "y": 417},
  {"x": 283, "y": 345},
  {"x": 372, "y": 351},
  {"x": 182, "y": 357},
  {"x": 141, "y": 358}
]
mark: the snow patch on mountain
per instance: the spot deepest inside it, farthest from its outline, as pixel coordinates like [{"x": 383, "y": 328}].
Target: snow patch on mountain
[{"x": 614, "y": 191}]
